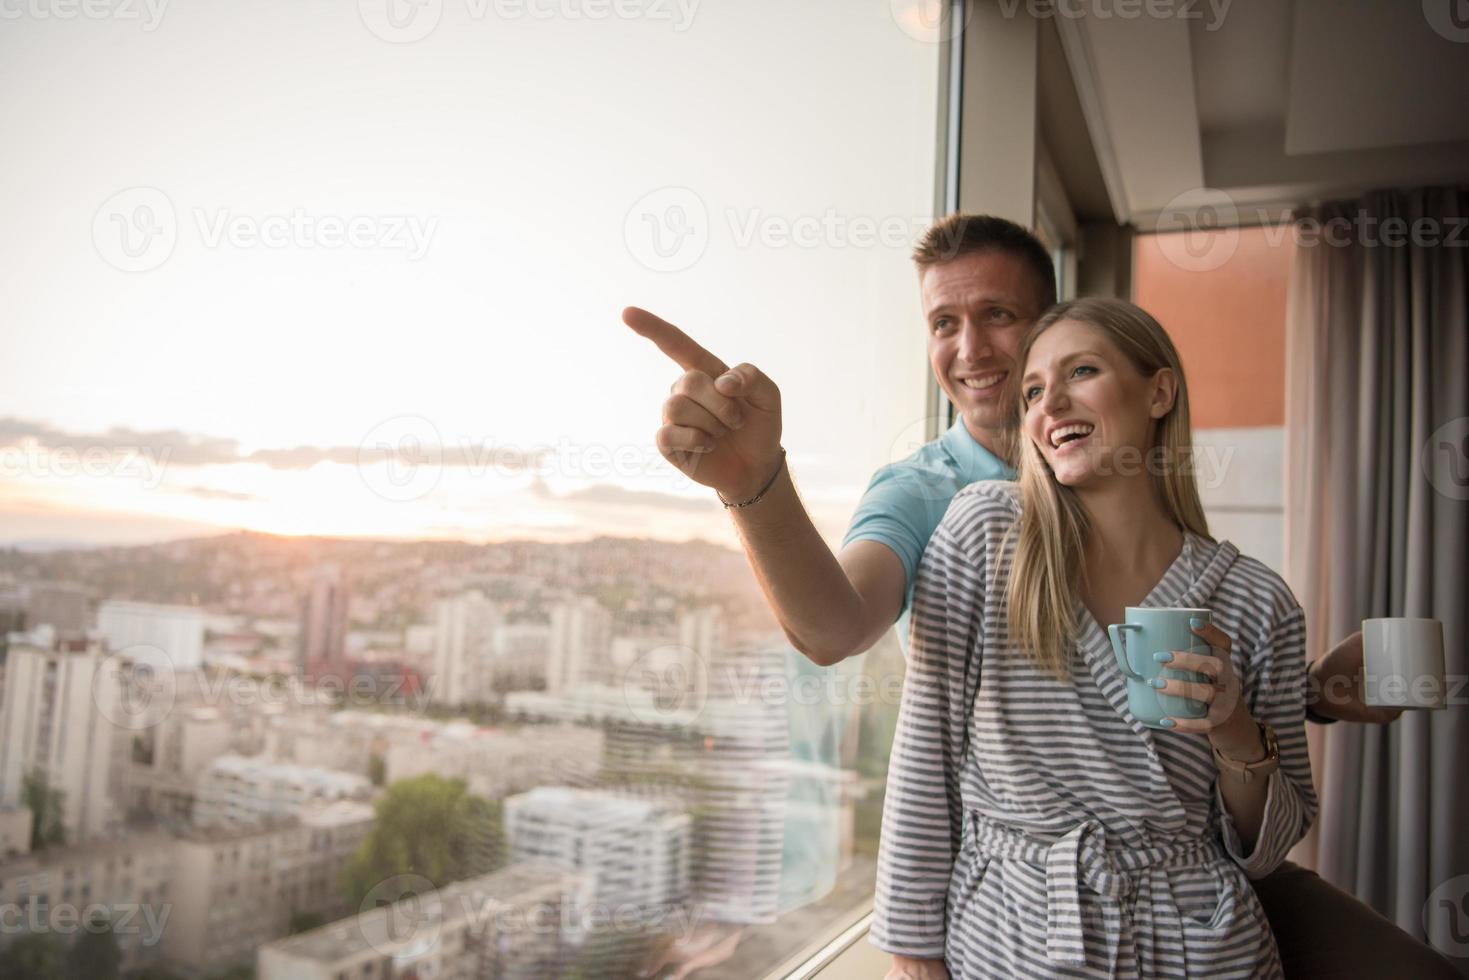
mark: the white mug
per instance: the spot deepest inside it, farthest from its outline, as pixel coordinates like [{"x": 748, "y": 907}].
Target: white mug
[{"x": 1403, "y": 663}]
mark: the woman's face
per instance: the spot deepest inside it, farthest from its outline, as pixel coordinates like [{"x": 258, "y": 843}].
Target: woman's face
[{"x": 1087, "y": 409}]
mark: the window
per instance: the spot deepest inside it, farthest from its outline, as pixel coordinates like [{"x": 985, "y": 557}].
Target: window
[{"x": 390, "y": 462}]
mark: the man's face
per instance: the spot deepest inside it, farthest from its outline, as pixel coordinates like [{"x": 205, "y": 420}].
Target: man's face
[{"x": 978, "y": 307}]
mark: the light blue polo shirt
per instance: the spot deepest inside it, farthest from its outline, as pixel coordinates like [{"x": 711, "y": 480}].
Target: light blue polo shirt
[{"x": 906, "y": 500}]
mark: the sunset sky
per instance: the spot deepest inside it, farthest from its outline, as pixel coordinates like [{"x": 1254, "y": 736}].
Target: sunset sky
[{"x": 253, "y": 242}]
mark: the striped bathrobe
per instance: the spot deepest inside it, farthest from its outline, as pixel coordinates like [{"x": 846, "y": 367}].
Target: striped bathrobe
[{"x": 1035, "y": 828}]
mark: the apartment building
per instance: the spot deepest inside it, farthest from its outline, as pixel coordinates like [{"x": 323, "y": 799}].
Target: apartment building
[
  {"x": 235, "y": 791},
  {"x": 234, "y": 890},
  {"x": 63, "y": 714},
  {"x": 506, "y": 925}
]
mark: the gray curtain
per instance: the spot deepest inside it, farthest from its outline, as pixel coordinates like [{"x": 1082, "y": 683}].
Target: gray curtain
[{"x": 1377, "y": 494}]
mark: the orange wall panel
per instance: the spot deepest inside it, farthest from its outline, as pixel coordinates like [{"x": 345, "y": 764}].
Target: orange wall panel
[{"x": 1227, "y": 322}]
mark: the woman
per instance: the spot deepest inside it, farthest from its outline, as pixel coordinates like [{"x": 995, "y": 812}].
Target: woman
[{"x": 1033, "y": 826}]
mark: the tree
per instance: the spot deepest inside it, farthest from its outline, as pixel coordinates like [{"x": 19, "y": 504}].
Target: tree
[
  {"x": 306, "y": 921},
  {"x": 431, "y": 827},
  {"x": 45, "y": 805},
  {"x": 34, "y": 956},
  {"x": 94, "y": 954}
]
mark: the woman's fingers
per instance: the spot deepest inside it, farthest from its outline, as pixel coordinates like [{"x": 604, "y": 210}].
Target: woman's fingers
[
  {"x": 1189, "y": 689},
  {"x": 1215, "y": 637},
  {"x": 1202, "y": 663}
]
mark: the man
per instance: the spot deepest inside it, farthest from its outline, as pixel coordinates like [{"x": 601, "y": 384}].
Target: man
[{"x": 984, "y": 281}]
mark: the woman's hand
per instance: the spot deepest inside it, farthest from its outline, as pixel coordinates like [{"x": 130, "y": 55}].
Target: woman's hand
[
  {"x": 908, "y": 968},
  {"x": 1228, "y": 724}
]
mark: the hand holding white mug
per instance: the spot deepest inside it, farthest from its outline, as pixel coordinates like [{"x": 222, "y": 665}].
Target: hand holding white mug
[{"x": 721, "y": 425}]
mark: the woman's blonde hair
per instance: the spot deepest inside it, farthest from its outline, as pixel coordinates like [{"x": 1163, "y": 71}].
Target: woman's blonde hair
[{"x": 1046, "y": 575}]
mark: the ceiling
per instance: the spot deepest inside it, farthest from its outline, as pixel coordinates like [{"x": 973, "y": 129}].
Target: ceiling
[{"x": 1257, "y": 106}]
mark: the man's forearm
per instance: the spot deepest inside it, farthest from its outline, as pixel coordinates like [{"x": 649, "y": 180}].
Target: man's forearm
[{"x": 823, "y": 613}]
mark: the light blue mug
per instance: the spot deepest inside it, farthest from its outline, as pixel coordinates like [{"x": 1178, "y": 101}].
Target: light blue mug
[{"x": 1148, "y": 631}]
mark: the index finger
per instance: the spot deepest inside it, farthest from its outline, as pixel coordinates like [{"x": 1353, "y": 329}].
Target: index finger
[{"x": 679, "y": 346}]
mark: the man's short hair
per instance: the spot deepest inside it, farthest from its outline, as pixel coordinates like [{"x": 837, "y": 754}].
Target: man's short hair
[{"x": 963, "y": 234}]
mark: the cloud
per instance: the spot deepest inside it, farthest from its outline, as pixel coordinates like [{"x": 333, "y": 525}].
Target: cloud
[
  {"x": 610, "y": 494},
  {"x": 210, "y": 493},
  {"x": 174, "y": 447}
]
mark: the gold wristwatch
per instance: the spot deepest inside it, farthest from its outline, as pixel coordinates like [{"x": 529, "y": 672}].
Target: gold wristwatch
[{"x": 1246, "y": 771}]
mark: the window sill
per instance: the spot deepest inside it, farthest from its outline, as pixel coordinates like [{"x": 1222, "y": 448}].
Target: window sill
[{"x": 845, "y": 954}]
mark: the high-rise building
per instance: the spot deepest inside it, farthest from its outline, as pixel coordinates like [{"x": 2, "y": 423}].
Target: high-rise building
[
  {"x": 322, "y": 642},
  {"x": 638, "y": 853},
  {"x": 464, "y": 649},
  {"x": 62, "y": 720},
  {"x": 143, "y": 629},
  {"x": 581, "y": 638}
]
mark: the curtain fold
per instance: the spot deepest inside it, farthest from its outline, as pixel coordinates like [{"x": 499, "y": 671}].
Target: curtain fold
[{"x": 1377, "y": 524}]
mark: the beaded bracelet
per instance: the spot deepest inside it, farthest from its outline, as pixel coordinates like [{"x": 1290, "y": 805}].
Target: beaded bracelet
[{"x": 763, "y": 490}]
